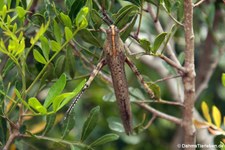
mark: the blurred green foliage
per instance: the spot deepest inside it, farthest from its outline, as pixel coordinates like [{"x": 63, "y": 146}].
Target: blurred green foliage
[{"x": 47, "y": 49}]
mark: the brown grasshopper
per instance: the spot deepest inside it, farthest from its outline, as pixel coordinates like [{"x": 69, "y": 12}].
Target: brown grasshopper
[{"x": 114, "y": 56}]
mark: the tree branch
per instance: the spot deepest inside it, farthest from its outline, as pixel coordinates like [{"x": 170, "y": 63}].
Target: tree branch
[
  {"x": 159, "y": 29},
  {"x": 189, "y": 77},
  {"x": 159, "y": 114}
]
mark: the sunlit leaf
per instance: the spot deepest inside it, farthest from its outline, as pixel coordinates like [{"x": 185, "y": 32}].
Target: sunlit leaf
[
  {"x": 66, "y": 20},
  {"x": 34, "y": 103},
  {"x": 41, "y": 31},
  {"x": 105, "y": 139},
  {"x": 90, "y": 123},
  {"x": 205, "y": 110},
  {"x": 58, "y": 100},
  {"x": 22, "y": 100},
  {"x": 216, "y": 116},
  {"x": 45, "y": 47},
  {"x": 223, "y": 79},
  {"x": 81, "y": 21},
  {"x": 38, "y": 57},
  {"x": 55, "y": 45},
  {"x": 57, "y": 32},
  {"x": 20, "y": 11},
  {"x": 68, "y": 34},
  {"x": 75, "y": 92},
  {"x": 55, "y": 90}
]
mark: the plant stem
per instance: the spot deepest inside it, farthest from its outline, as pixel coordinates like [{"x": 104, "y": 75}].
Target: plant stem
[
  {"x": 46, "y": 65},
  {"x": 189, "y": 77}
]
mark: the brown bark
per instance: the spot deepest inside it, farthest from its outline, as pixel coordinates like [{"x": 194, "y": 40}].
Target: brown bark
[{"x": 189, "y": 77}]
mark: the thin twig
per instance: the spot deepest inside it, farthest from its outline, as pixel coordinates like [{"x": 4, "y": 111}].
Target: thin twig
[
  {"x": 150, "y": 122},
  {"x": 161, "y": 101},
  {"x": 172, "y": 63},
  {"x": 167, "y": 78},
  {"x": 198, "y": 3},
  {"x": 106, "y": 17},
  {"x": 159, "y": 114},
  {"x": 159, "y": 29},
  {"x": 104, "y": 76}
]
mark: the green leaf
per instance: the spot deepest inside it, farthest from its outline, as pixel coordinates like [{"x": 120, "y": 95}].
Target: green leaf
[
  {"x": 68, "y": 34},
  {"x": 158, "y": 41},
  {"x": 216, "y": 116},
  {"x": 55, "y": 90},
  {"x": 68, "y": 123},
  {"x": 57, "y": 32},
  {"x": 223, "y": 79},
  {"x": 75, "y": 92},
  {"x": 105, "y": 139},
  {"x": 20, "y": 11},
  {"x": 75, "y": 8},
  {"x": 156, "y": 90},
  {"x": 59, "y": 65},
  {"x": 205, "y": 110},
  {"x": 45, "y": 47},
  {"x": 87, "y": 36},
  {"x": 81, "y": 15},
  {"x": 39, "y": 57},
  {"x": 50, "y": 120},
  {"x": 70, "y": 66},
  {"x": 41, "y": 31},
  {"x": 136, "y": 93},
  {"x": 37, "y": 19},
  {"x": 69, "y": 3},
  {"x": 125, "y": 14},
  {"x": 20, "y": 98},
  {"x": 115, "y": 124},
  {"x": 66, "y": 20},
  {"x": 168, "y": 5},
  {"x": 96, "y": 18},
  {"x": 55, "y": 45},
  {"x": 126, "y": 33},
  {"x": 34, "y": 103},
  {"x": 181, "y": 57},
  {"x": 81, "y": 21},
  {"x": 145, "y": 44},
  {"x": 90, "y": 123},
  {"x": 58, "y": 100}
]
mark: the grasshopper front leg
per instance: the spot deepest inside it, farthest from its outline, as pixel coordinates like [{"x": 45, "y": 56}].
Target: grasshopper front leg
[
  {"x": 87, "y": 84},
  {"x": 140, "y": 78}
]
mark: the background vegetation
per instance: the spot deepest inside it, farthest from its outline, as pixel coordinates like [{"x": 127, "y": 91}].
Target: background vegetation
[{"x": 48, "y": 49}]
